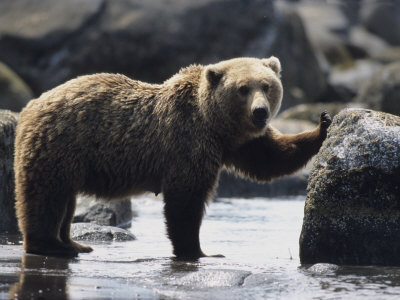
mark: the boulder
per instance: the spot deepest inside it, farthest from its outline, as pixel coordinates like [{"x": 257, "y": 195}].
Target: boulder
[
  {"x": 14, "y": 93},
  {"x": 326, "y": 25},
  {"x": 152, "y": 40},
  {"x": 112, "y": 213},
  {"x": 382, "y": 19},
  {"x": 8, "y": 221},
  {"x": 352, "y": 209},
  {"x": 292, "y": 45},
  {"x": 96, "y": 233},
  {"x": 33, "y": 35},
  {"x": 382, "y": 91},
  {"x": 375, "y": 47},
  {"x": 353, "y": 78}
]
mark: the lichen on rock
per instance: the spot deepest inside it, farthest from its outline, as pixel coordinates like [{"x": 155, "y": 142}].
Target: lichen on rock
[{"x": 352, "y": 211}]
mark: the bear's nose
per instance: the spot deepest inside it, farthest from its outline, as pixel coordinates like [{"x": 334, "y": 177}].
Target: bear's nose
[{"x": 260, "y": 113}]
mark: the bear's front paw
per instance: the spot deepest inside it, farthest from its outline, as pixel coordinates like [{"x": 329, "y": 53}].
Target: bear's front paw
[{"x": 325, "y": 120}]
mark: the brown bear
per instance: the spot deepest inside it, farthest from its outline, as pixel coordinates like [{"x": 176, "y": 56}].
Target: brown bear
[{"x": 110, "y": 136}]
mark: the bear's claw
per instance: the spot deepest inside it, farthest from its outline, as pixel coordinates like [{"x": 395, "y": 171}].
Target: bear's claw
[{"x": 325, "y": 119}]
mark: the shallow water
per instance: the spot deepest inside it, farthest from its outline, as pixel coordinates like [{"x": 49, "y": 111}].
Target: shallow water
[{"x": 259, "y": 238}]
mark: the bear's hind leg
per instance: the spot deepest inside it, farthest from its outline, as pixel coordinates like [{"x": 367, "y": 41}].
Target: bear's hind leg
[
  {"x": 66, "y": 227},
  {"x": 40, "y": 218}
]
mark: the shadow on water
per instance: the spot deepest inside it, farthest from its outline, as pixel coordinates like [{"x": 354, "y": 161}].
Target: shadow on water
[
  {"x": 41, "y": 277},
  {"x": 175, "y": 266}
]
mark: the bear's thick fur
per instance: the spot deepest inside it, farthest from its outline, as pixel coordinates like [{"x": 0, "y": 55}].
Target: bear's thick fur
[{"x": 110, "y": 136}]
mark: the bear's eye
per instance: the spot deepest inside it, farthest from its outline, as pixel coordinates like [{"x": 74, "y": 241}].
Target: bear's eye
[
  {"x": 265, "y": 88},
  {"x": 244, "y": 90}
]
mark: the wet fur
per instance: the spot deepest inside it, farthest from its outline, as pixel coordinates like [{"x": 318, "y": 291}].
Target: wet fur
[{"x": 110, "y": 136}]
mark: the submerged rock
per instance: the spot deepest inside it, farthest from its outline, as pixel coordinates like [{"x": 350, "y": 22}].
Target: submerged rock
[
  {"x": 323, "y": 268},
  {"x": 112, "y": 213},
  {"x": 213, "y": 278},
  {"x": 8, "y": 220},
  {"x": 95, "y": 233},
  {"x": 352, "y": 211}
]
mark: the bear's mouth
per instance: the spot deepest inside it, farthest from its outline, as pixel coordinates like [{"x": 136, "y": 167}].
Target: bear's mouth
[{"x": 259, "y": 123}]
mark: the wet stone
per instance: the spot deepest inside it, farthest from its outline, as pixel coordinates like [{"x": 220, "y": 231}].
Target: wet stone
[
  {"x": 93, "y": 232},
  {"x": 213, "y": 278},
  {"x": 352, "y": 210}
]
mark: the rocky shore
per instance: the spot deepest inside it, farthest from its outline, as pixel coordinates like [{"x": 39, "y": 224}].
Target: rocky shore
[{"x": 335, "y": 55}]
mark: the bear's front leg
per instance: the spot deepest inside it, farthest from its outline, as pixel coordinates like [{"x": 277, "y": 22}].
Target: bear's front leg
[
  {"x": 184, "y": 212},
  {"x": 275, "y": 154}
]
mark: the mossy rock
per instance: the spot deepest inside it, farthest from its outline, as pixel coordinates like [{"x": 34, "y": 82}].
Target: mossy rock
[{"x": 352, "y": 210}]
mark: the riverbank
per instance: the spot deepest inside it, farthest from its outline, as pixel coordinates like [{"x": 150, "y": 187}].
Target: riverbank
[{"x": 258, "y": 236}]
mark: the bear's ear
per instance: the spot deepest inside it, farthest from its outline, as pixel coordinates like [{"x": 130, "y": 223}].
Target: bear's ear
[
  {"x": 273, "y": 63},
  {"x": 213, "y": 75}
]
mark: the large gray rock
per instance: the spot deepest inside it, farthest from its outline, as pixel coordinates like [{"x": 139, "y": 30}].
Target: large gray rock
[
  {"x": 14, "y": 93},
  {"x": 112, "y": 213},
  {"x": 374, "y": 46},
  {"x": 152, "y": 40},
  {"x": 382, "y": 19},
  {"x": 33, "y": 36},
  {"x": 292, "y": 45},
  {"x": 382, "y": 91},
  {"x": 326, "y": 25},
  {"x": 352, "y": 210},
  {"x": 8, "y": 122}
]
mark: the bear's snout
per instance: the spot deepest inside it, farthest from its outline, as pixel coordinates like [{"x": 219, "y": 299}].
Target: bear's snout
[{"x": 260, "y": 116}]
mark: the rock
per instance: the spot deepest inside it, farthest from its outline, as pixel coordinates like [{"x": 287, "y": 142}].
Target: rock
[
  {"x": 382, "y": 19},
  {"x": 14, "y": 93},
  {"x": 152, "y": 40},
  {"x": 375, "y": 47},
  {"x": 311, "y": 112},
  {"x": 33, "y": 36},
  {"x": 299, "y": 86},
  {"x": 326, "y": 26},
  {"x": 213, "y": 279},
  {"x": 139, "y": 39},
  {"x": 112, "y": 213},
  {"x": 354, "y": 77},
  {"x": 382, "y": 91},
  {"x": 96, "y": 233},
  {"x": 323, "y": 269},
  {"x": 352, "y": 210},
  {"x": 292, "y": 185},
  {"x": 8, "y": 221}
]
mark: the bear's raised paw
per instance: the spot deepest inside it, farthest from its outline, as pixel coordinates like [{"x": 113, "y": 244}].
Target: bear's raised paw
[{"x": 325, "y": 120}]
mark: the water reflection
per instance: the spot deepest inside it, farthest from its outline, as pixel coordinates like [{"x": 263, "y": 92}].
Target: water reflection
[
  {"x": 176, "y": 266},
  {"x": 41, "y": 277}
]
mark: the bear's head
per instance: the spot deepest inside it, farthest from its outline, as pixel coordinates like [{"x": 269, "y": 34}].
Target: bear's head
[{"x": 247, "y": 92}]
